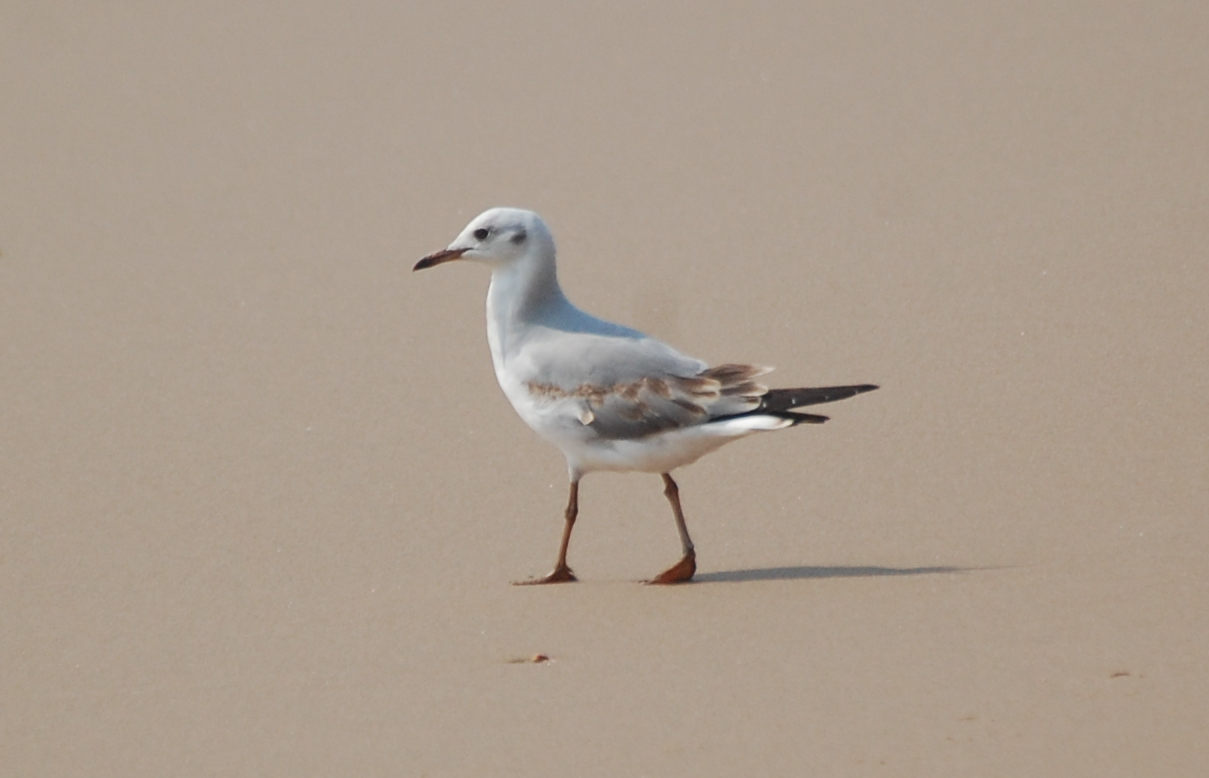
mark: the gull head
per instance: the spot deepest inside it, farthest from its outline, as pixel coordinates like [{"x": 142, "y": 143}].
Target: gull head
[{"x": 498, "y": 238}]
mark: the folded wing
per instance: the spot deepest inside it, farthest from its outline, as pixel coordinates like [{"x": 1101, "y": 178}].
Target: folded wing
[{"x": 627, "y": 388}]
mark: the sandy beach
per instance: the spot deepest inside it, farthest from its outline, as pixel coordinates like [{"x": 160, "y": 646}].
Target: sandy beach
[{"x": 261, "y": 499}]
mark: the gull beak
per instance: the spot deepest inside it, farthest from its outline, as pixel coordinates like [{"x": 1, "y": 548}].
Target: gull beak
[{"x": 439, "y": 257}]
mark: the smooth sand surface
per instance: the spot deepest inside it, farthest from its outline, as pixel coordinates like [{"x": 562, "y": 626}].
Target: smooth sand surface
[{"x": 262, "y": 498}]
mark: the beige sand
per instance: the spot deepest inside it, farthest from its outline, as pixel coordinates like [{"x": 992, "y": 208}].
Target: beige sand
[{"x": 262, "y": 498}]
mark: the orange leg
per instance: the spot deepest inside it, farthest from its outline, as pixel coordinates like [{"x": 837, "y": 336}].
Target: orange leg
[
  {"x": 683, "y": 570},
  {"x": 561, "y": 573}
]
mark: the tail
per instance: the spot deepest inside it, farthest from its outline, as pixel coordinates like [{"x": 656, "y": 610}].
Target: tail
[{"x": 782, "y": 403}]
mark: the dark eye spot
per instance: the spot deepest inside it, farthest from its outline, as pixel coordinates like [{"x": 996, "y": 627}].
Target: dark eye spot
[
  {"x": 481, "y": 233},
  {"x": 519, "y": 237}
]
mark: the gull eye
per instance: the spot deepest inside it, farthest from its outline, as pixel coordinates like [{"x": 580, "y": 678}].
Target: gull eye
[{"x": 481, "y": 233}]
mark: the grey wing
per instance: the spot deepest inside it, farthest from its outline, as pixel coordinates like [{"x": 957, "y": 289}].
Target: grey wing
[
  {"x": 631, "y": 387},
  {"x": 657, "y": 403}
]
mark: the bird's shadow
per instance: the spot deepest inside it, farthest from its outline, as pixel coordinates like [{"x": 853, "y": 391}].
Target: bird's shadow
[{"x": 813, "y": 572}]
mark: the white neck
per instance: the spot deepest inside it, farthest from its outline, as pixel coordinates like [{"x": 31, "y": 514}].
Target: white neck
[{"x": 523, "y": 293}]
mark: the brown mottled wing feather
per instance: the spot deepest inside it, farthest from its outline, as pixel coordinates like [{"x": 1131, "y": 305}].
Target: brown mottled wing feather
[
  {"x": 657, "y": 403},
  {"x": 628, "y": 386}
]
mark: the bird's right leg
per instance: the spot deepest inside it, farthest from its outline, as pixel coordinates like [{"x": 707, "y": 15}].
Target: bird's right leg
[
  {"x": 561, "y": 573},
  {"x": 683, "y": 570}
]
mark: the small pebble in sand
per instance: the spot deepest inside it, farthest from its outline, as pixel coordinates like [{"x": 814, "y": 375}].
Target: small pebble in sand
[{"x": 535, "y": 659}]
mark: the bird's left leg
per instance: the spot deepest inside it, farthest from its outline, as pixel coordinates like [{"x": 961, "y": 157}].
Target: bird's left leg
[
  {"x": 561, "y": 573},
  {"x": 683, "y": 570}
]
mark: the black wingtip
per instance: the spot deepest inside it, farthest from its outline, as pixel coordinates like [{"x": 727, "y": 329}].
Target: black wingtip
[
  {"x": 803, "y": 418},
  {"x": 787, "y": 399}
]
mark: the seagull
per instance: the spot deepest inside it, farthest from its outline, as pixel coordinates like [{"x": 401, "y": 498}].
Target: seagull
[{"x": 610, "y": 397}]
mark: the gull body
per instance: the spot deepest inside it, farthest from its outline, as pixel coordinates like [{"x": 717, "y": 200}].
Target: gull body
[{"x": 608, "y": 396}]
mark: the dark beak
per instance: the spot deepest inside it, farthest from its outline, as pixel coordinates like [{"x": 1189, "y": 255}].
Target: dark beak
[{"x": 444, "y": 255}]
